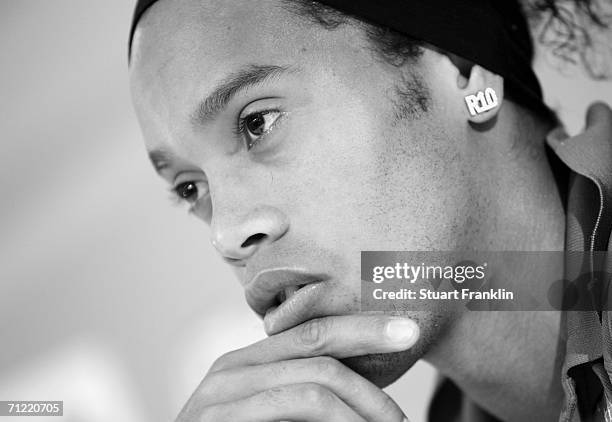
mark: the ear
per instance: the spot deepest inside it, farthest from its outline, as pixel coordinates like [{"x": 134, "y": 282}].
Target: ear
[{"x": 483, "y": 94}]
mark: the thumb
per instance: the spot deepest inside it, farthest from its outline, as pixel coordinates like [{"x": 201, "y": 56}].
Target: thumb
[{"x": 597, "y": 112}]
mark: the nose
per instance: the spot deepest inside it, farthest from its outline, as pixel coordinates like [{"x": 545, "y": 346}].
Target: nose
[{"x": 239, "y": 238}]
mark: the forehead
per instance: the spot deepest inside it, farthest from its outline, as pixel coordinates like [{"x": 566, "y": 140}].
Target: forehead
[
  {"x": 182, "y": 48},
  {"x": 209, "y": 28}
]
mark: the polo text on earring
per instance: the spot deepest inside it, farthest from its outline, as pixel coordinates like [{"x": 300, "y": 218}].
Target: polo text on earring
[{"x": 482, "y": 101}]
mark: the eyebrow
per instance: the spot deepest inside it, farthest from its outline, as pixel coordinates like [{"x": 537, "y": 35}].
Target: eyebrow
[
  {"x": 235, "y": 83},
  {"x": 160, "y": 159}
]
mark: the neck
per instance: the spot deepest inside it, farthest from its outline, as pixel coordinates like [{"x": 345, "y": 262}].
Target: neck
[{"x": 511, "y": 364}]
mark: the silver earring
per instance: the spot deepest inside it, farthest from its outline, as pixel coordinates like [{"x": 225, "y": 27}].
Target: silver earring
[{"x": 481, "y": 101}]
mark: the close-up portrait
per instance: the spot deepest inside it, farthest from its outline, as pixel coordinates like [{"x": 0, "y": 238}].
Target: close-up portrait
[{"x": 306, "y": 211}]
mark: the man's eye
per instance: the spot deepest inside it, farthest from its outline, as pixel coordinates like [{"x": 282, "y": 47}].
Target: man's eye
[
  {"x": 190, "y": 191},
  {"x": 256, "y": 125}
]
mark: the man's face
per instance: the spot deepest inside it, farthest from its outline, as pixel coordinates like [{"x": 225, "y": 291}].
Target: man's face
[{"x": 314, "y": 158}]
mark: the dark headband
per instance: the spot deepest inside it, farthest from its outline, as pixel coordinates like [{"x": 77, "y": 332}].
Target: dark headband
[{"x": 491, "y": 33}]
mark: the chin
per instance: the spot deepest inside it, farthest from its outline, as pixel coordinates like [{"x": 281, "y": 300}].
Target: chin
[{"x": 382, "y": 369}]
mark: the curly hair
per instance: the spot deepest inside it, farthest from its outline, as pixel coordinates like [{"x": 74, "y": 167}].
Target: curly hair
[
  {"x": 575, "y": 31},
  {"x": 555, "y": 7}
]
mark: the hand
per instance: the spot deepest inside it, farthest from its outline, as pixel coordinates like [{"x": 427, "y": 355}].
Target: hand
[{"x": 295, "y": 375}]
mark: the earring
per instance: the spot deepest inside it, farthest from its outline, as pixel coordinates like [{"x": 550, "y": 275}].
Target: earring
[{"x": 482, "y": 101}]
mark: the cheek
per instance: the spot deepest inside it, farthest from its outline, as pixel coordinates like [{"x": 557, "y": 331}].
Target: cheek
[
  {"x": 418, "y": 188},
  {"x": 396, "y": 190},
  {"x": 361, "y": 180}
]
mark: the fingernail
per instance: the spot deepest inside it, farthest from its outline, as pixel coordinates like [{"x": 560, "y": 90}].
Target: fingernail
[
  {"x": 557, "y": 136},
  {"x": 402, "y": 332}
]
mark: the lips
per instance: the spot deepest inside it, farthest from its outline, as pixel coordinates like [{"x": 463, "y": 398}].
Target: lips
[
  {"x": 287, "y": 292},
  {"x": 298, "y": 308},
  {"x": 284, "y": 296}
]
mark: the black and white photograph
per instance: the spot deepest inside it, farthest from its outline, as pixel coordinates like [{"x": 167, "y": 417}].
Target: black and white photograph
[{"x": 306, "y": 211}]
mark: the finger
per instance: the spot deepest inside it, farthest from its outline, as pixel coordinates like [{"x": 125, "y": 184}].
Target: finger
[
  {"x": 596, "y": 112},
  {"x": 329, "y": 336},
  {"x": 307, "y": 402},
  {"x": 365, "y": 398}
]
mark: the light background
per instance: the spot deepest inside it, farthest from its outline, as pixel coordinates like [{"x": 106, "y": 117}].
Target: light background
[{"x": 111, "y": 299}]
